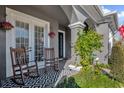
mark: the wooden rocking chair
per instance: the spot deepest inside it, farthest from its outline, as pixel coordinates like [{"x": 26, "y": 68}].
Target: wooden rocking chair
[
  {"x": 20, "y": 65},
  {"x": 50, "y": 59}
]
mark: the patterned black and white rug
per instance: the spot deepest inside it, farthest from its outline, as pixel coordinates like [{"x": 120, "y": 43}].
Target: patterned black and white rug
[{"x": 45, "y": 80}]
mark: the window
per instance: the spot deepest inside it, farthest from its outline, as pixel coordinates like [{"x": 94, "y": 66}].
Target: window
[
  {"x": 39, "y": 42},
  {"x": 22, "y": 34}
]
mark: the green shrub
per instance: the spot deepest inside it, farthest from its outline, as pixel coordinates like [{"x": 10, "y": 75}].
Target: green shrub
[
  {"x": 89, "y": 79},
  {"x": 117, "y": 62},
  {"x": 87, "y": 42},
  {"x": 68, "y": 83},
  {"x": 102, "y": 65}
]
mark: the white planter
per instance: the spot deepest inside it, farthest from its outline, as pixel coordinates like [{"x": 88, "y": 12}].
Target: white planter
[
  {"x": 78, "y": 68},
  {"x": 72, "y": 67}
]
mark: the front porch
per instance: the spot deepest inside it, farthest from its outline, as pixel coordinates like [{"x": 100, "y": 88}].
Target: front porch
[{"x": 45, "y": 80}]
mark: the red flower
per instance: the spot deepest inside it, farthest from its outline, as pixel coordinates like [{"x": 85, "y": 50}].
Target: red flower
[
  {"x": 6, "y": 25},
  {"x": 121, "y": 31},
  {"x": 51, "y": 34}
]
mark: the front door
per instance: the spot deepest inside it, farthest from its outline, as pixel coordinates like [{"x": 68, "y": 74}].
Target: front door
[{"x": 60, "y": 42}]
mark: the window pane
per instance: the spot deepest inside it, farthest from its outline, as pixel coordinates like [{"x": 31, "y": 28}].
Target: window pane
[
  {"x": 38, "y": 42},
  {"x": 22, "y": 34},
  {"x": 17, "y": 40}
]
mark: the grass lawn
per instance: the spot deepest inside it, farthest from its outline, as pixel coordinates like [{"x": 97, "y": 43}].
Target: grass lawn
[{"x": 89, "y": 80}]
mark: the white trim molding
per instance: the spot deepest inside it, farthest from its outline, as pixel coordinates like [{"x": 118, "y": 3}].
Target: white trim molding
[{"x": 78, "y": 24}]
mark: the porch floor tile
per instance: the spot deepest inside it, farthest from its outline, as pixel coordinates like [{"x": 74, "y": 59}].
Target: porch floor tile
[{"x": 45, "y": 80}]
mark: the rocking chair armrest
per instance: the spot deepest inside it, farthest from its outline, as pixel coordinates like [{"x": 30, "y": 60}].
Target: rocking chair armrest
[
  {"x": 51, "y": 59},
  {"x": 34, "y": 61},
  {"x": 16, "y": 65},
  {"x": 31, "y": 61},
  {"x": 56, "y": 58}
]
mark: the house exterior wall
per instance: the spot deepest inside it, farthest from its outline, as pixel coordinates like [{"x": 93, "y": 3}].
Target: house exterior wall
[
  {"x": 68, "y": 11},
  {"x": 2, "y": 45},
  {"x": 103, "y": 29}
]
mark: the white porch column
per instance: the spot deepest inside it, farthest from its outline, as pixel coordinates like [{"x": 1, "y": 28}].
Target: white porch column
[{"x": 74, "y": 30}]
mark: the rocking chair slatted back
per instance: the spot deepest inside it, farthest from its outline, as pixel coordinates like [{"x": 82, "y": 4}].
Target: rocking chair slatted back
[
  {"x": 18, "y": 56},
  {"x": 50, "y": 60},
  {"x": 49, "y": 53}
]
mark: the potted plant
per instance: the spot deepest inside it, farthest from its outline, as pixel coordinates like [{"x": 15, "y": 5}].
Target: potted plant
[
  {"x": 52, "y": 34},
  {"x": 6, "y": 25}
]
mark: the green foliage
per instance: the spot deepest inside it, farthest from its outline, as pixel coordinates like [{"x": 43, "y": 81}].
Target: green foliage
[
  {"x": 89, "y": 79},
  {"x": 86, "y": 44},
  {"x": 101, "y": 65},
  {"x": 86, "y": 64},
  {"x": 116, "y": 62},
  {"x": 68, "y": 83}
]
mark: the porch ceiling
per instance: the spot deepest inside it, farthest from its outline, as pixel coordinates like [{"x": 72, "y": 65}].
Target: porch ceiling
[{"x": 54, "y": 12}]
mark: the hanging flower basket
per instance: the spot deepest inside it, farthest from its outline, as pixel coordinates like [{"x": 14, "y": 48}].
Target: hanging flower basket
[
  {"x": 6, "y": 26},
  {"x": 52, "y": 34}
]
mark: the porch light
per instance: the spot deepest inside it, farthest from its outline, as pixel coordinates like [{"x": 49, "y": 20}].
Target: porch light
[{"x": 6, "y": 25}]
